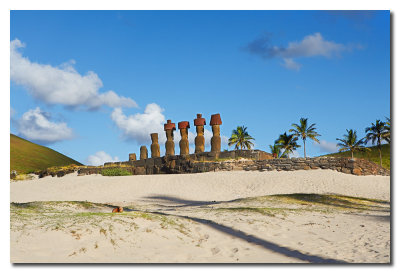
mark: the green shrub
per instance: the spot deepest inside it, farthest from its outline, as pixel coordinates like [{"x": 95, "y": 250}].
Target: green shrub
[{"x": 115, "y": 172}]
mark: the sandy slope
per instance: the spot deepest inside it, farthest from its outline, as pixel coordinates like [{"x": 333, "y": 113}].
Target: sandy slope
[
  {"x": 192, "y": 218},
  {"x": 200, "y": 187}
]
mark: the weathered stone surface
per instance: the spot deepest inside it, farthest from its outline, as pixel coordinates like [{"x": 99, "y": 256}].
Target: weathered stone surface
[
  {"x": 215, "y": 122},
  {"x": 199, "y": 140},
  {"x": 184, "y": 142},
  {"x": 143, "y": 152},
  {"x": 132, "y": 157},
  {"x": 140, "y": 171},
  {"x": 155, "y": 147},
  {"x": 169, "y": 144},
  {"x": 357, "y": 171},
  {"x": 346, "y": 170},
  {"x": 13, "y": 174},
  {"x": 205, "y": 162}
]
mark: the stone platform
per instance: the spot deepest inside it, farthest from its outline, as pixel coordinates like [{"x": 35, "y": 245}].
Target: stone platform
[{"x": 248, "y": 160}]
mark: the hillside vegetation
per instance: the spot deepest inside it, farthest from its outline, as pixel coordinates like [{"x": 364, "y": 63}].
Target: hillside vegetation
[
  {"x": 372, "y": 155},
  {"x": 27, "y": 157}
]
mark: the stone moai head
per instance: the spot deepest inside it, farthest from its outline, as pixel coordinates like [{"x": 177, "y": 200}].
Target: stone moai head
[
  {"x": 143, "y": 152},
  {"x": 183, "y": 126},
  {"x": 199, "y": 141},
  {"x": 132, "y": 157},
  {"x": 155, "y": 147},
  {"x": 215, "y": 122},
  {"x": 169, "y": 129}
]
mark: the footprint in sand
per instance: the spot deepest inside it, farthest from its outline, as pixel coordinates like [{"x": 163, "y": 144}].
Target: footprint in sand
[
  {"x": 215, "y": 250},
  {"x": 234, "y": 250}
]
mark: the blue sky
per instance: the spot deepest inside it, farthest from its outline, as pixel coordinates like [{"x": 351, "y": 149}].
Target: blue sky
[{"x": 94, "y": 84}]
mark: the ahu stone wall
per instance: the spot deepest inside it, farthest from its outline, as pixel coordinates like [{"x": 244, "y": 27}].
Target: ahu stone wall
[{"x": 249, "y": 160}]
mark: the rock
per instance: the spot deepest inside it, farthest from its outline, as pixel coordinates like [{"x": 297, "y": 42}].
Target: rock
[
  {"x": 140, "y": 171},
  {"x": 13, "y": 174},
  {"x": 346, "y": 170},
  {"x": 357, "y": 171}
]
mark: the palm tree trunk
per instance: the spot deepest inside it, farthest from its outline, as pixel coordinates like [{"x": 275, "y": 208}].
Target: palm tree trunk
[
  {"x": 304, "y": 141},
  {"x": 380, "y": 154},
  {"x": 352, "y": 154}
]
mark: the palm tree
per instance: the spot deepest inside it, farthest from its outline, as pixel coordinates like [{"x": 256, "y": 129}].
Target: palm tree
[
  {"x": 376, "y": 133},
  {"x": 276, "y": 151},
  {"x": 350, "y": 142},
  {"x": 304, "y": 131},
  {"x": 287, "y": 143},
  {"x": 386, "y": 135},
  {"x": 241, "y": 138}
]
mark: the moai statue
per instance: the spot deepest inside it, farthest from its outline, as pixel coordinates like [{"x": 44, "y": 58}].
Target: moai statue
[
  {"x": 199, "y": 141},
  {"x": 132, "y": 157},
  {"x": 184, "y": 142},
  {"x": 215, "y": 122},
  {"x": 143, "y": 152},
  {"x": 169, "y": 129},
  {"x": 155, "y": 147}
]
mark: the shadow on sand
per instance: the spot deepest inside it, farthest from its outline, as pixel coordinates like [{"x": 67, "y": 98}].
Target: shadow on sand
[{"x": 242, "y": 235}]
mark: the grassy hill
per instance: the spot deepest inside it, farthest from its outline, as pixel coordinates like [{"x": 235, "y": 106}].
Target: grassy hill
[
  {"x": 372, "y": 155},
  {"x": 26, "y": 157}
]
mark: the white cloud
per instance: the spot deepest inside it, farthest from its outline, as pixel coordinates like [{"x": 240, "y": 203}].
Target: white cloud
[
  {"x": 310, "y": 46},
  {"x": 63, "y": 84},
  {"x": 294, "y": 154},
  {"x": 35, "y": 125},
  {"x": 290, "y": 64},
  {"x": 326, "y": 146},
  {"x": 99, "y": 158},
  {"x": 138, "y": 127}
]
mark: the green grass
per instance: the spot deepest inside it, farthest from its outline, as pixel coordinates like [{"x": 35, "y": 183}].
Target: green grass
[
  {"x": 372, "y": 155},
  {"x": 27, "y": 157},
  {"x": 115, "y": 172},
  {"x": 282, "y": 204},
  {"x": 330, "y": 200},
  {"x": 264, "y": 211}
]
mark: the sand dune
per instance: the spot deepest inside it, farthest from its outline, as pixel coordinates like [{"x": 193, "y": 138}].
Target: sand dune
[
  {"x": 200, "y": 187},
  {"x": 228, "y": 217}
]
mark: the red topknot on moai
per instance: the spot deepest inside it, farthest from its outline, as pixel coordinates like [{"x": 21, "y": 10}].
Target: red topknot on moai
[
  {"x": 184, "y": 142},
  {"x": 199, "y": 141},
  {"x": 215, "y": 122},
  {"x": 169, "y": 129}
]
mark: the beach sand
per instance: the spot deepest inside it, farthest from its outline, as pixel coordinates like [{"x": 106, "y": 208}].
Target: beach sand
[{"x": 317, "y": 216}]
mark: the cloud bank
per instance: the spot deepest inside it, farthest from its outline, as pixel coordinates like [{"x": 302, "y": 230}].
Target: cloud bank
[
  {"x": 310, "y": 46},
  {"x": 138, "y": 127},
  {"x": 61, "y": 85},
  {"x": 35, "y": 125},
  {"x": 99, "y": 158}
]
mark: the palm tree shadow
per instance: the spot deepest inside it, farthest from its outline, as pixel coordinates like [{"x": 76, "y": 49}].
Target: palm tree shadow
[
  {"x": 183, "y": 202},
  {"x": 240, "y": 234},
  {"x": 258, "y": 241}
]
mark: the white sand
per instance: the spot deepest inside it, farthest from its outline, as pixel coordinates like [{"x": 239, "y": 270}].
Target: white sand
[
  {"x": 189, "y": 230},
  {"x": 219, "y": 186}
]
